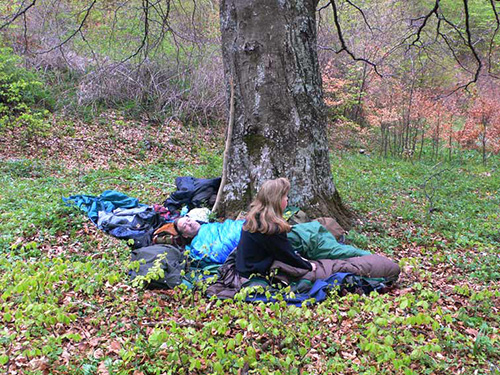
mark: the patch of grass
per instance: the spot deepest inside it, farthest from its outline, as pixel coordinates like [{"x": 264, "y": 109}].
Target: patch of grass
[
  {"x": 21, "y": 168},
  {"x": 456, "y": 202},
  {"x": 66, "y": 303}
]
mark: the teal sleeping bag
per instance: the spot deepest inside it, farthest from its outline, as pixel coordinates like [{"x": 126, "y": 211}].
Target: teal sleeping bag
[
  {"x": 108, "y": 201},
  {"x": 215, "y": 241},
  {"x": 314, "y": 241}
]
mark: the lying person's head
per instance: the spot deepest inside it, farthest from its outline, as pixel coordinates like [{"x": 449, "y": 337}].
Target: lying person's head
[{"x": 187, "y": 227}]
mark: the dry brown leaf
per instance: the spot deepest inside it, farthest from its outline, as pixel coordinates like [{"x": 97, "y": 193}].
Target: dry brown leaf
[
  {"x": 98, "y": 353},
  {"x": 102, "y": 369},
  {"x": 115, "y": 347},
  {"x": 472, "y": 331},
  {"x": 65, "y": 356},
  {"x": 348, "y": 355}
]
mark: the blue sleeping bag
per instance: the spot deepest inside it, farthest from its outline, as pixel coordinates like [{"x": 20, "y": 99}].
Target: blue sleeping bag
[{"x": 215, "y": 241}]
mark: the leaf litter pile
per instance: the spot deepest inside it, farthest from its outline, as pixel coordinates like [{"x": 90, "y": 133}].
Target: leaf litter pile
[{"x": 67, "y": 307}]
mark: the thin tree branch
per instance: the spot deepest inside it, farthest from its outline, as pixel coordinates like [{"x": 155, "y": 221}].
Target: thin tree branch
[
  {"x": 230, "y": 126},
  {"x": 90, "y": 47},
  {"x": 467, "y": 39},
  {"x": 455, "y": 27},
  {"x": 25, "y": 33},
  {"x": 193, "y": 18},
  {"x": 145, "y": 9},
  {"x": 323, "y": 7},
  {"x": 20, "y": 13},
  {"x": 362, "y": 13},
  {"x": 87, "y": 13},
  {"x": 425, "y": 18},
  {"x": 450, "y": 47},
  {"x": 342, "y": 41},
  {"x": 493, "y": 6},
  {"x": 114, "y": 23},
  {"x": 471, "y": 45}
]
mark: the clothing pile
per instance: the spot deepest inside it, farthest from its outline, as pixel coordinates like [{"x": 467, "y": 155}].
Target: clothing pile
[
  {"x": 149, "y": 229},
  {"x": 156, "y": 244},
  {"x": 337, "y": 264}
]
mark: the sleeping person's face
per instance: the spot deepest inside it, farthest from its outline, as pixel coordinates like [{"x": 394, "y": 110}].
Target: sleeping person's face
[
  {"x": 188, "y": 227},
  {"x": 284, "y": 202}
]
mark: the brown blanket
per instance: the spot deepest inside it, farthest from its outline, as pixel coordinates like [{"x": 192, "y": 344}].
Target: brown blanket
[{"x": 367, "y": 266}]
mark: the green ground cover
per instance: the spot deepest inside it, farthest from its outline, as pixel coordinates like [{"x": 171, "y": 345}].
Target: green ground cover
[{"x": 67, "y": 306}]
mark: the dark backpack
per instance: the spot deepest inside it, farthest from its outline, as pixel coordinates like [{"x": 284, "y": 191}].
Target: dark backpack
[
  {"x": 364, "y": 285},
  {"x": 172, "y": 264}
]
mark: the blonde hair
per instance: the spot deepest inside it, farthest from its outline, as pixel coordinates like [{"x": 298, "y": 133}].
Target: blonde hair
[{"x": 266, "y": 215}]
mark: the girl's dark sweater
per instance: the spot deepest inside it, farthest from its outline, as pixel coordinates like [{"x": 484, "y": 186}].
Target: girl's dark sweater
[{"x": 257, "y": 251}]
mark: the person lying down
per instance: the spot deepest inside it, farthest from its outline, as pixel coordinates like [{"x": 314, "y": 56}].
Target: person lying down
[{"x": 265, "y": 241}]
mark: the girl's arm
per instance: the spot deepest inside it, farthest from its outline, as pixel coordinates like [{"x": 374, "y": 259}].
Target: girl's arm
[{"x": 283, "y": 251}]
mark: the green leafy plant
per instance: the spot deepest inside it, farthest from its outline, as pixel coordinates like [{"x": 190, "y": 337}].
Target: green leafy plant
[{"x": 23, "y": 98}]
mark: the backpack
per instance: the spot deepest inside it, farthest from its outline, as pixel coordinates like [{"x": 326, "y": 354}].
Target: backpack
[
  {"x": 364, "y": 285},
  {"x": 172, "y": 264}
]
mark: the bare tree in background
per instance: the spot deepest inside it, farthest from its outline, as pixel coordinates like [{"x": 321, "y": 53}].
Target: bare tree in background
[{"x": 270, "y": 54}]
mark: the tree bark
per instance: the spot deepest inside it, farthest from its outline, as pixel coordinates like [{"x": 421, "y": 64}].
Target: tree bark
[{"x": 269, "y": 52}]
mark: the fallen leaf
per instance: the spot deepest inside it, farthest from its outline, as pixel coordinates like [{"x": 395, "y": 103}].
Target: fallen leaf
[
  {"x": 472, "y": 331},
  {"x": 115, "y": 347},
  {"x": 102, "y": 369},
  {"x": 98, "y": 353}
]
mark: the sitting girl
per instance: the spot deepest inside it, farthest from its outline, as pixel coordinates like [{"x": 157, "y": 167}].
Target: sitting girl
[
  {"x": 264, "y": 245},
  {"x": 264, "y": 234}
]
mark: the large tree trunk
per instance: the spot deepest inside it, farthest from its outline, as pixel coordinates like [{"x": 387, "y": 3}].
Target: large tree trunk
[{"x": 269, "y": 52}]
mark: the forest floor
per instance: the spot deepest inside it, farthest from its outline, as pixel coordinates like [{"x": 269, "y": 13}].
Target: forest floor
[{"x": 68, "y": 307}]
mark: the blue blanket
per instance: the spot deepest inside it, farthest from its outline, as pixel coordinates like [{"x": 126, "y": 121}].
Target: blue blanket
[
  {"x": 107, "y": 201},
  {"x": 317, "y": 293}
]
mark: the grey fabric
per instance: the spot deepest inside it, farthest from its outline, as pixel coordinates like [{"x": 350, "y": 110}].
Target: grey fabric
[
  {"x": 173, "y": 264},
  {"x": 121, "y": 217},
  {"x": 137, "y": 224}
]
